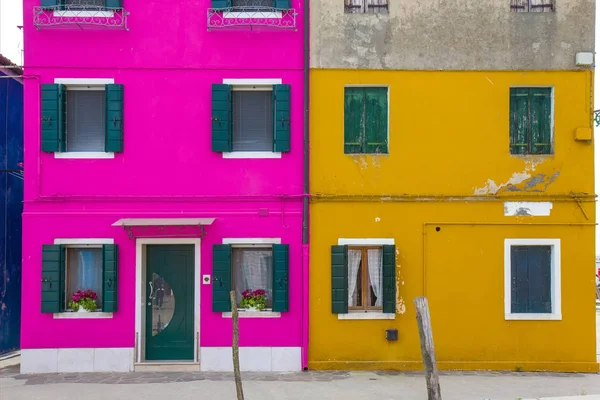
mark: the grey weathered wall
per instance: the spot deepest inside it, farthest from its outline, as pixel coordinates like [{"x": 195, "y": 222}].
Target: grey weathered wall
[{"x": 451, "y": 35}]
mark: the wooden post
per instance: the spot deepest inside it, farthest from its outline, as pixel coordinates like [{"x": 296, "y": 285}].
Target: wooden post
[
  {"x": 236, "y": 347},
  {"x": 427, "y": 351}
]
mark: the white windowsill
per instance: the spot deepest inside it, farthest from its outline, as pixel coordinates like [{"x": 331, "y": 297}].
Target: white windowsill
[
  {"x": 254, "y": 314},
  {"x": 83, "y": 315},
  {"x": 84, "y": 154},
  {"x": 85, "y": 14},
  {"x": 238, "y": 14},
  {"x": 367, "y": 315},
  {"x": 533, "y": 317},
  {"x": 252, "y": 154}
]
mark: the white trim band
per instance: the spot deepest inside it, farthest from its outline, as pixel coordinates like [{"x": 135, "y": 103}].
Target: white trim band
[
  {"x": 252, "y": 154},
  {"x": 367, "y": 315},
  {"x": 83, "y": 154},
  {"x": 84, "y": 81},
  {"x": 251, "y": 241},
  {"x": 88, "y": 241},
  {"x": 365, "y": 242},
  {"x": 252, "y": 81}
]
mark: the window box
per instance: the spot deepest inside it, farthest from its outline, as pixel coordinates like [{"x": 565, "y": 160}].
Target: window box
[
  {"x": 267, "y": 13},
  {"x": 80, "y": 14}
]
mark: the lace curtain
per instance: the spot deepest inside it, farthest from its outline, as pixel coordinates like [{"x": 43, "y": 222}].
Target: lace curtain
[
  {"x": 84, "y": 271},
  {"x": 253, "y": 269}
]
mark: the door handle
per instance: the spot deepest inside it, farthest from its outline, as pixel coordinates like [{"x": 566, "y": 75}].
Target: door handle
[{"x": 151, "y": 290}]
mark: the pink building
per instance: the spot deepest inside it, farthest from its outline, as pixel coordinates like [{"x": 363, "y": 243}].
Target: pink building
[{"x": 164, "y": 160}]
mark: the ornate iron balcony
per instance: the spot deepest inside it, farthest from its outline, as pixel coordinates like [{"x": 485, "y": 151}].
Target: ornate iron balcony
[
  {"x": 80, "y": 16},
  {"x": 249, "y": 16}
]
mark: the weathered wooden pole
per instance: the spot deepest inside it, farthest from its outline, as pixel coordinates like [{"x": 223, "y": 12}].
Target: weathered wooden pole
[
  {"x": 236, "y": 347},
  {"x": 427, "y": 351}
]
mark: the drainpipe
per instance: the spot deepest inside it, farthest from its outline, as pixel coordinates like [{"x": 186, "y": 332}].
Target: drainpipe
[{"x": 305, "y": 244}]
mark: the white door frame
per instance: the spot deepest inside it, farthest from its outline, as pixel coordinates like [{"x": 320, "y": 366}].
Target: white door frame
[{"x": 141, "y": 302}]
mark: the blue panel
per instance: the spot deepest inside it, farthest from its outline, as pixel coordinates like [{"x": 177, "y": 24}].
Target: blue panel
[{"x": 11, "y": 208}]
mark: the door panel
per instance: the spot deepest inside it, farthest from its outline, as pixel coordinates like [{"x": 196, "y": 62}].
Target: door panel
[{"x": 170, "y": 302}]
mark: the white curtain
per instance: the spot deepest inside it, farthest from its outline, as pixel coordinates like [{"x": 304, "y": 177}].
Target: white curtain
[
  {"x": 375, "y": 259},
  {"x": 84, "y": 271},
  {"x": 354, "y": 257},
  {"x": 253, "y": 269}
]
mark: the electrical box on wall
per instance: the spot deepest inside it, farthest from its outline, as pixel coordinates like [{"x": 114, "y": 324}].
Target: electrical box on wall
[
  {"x": 584, "y": 58},
  {"x": 583, "y": 134},
  {"x": 391, "y": 334}
]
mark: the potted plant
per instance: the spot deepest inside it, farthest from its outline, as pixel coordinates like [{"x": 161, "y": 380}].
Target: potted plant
[
  {"x": 254, "y": 300},
  {"x": 83, "y": 301}
]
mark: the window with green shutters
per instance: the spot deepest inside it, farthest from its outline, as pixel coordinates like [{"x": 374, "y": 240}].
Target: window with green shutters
[
  {"x": 250, "y": 118},
  {"x": 246, "y": 268},
  {"x": 82, "y": 118},
  {"x": 69, "y": 268},
  {"x": 531, "y": 121},
  {"x": 366, "y": 120},
  {"x": 532, "y": 279},
  {"x": 363, "y": 278}
]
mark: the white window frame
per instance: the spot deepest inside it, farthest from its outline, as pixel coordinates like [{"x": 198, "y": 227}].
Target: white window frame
[
  {"x": 555, "y": 283},
  {"x": 256, "y": 243},
  {"x": 82, "y": 244},
  {"x": 262, "y": 85},
  {"x": 365, "y": 314},
  {"x": 84, "y": 84}
]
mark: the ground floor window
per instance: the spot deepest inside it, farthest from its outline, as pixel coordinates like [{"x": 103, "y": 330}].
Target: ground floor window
[
  {"x": 83, "y": 272},
  {"x": 365, "y": 283},
  {"x": 253, "y": 271}
]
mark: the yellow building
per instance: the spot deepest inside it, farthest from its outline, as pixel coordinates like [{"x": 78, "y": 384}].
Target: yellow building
[{"x": 474, "y": 188}]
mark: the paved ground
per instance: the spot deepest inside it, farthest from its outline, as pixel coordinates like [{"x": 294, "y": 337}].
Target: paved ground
[{"x": 302, "y": 385}]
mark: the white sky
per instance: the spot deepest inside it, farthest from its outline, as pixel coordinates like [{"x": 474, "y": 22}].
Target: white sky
[{"x": 11, "y": 46}]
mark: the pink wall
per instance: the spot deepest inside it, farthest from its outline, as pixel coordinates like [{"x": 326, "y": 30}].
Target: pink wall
[{"x": 167, "y": 63}]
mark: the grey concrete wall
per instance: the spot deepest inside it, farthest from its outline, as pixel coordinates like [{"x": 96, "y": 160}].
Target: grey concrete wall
[{"x": 451, "y": 35}]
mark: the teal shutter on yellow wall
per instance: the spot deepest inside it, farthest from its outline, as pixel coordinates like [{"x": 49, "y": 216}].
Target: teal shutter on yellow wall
[
  {"x": 281, "y": 118},
  {"x": 221, "y": 3},
  {"x": 53, "y": 278},
  {"x": 282, "y": 4},
  {"x": 280, "y": 277},
  {"x": 113, "y": 3},
  {"x": 222, "y": 124},
  {"x": 389, "y": 279},
  {"x": 113, "y": 140},
  {"x": 353, "y": 120},
  {"x": 221, "y": 285},
  {"x": 376, "y": 120},
  {"x": 339, "y": 279},
  {"x": 531, "y": 279},
  {"x": 110, "y": 267},
  {"x": 540, "y": 104},
  {"x": 53, "y": 118}
]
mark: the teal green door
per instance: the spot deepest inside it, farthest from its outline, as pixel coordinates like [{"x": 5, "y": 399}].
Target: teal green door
[{"x": 170, "y": 302}]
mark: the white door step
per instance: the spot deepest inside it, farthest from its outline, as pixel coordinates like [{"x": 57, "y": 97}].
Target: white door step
[{"x": 166, "y": 367}]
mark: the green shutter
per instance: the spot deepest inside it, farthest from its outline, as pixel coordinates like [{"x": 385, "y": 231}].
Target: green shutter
[
  {"x": 519, "y": 121},
  {"x": 113, "y": 140},
  {"x": 113, "y": 3},
  {"x": 222, "y": 140},
  {"x": 49, "y": 3},
  {"x": 354, "y": 104},
  {"x": 53, "y": 282},
  {"x": 221, "y": 285},
  {"x": 540, "y": 100},
  {"x": 110, "y": 273},
  {"x": 282, "y": 4},
  {"x": 53, "y": 117},
  {"x": 339, "y": 279},
  {"x": 389, "y": 279},
  {"x": 281, "y": 277},
  {"x": 376, "y": 120},
  {"x": 221, "y": 3},
  {"x": 281, "y": 118}
]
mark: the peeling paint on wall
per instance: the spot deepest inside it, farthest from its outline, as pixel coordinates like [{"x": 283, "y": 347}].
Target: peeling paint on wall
[
  {"x": 527, "y": 208},
  {"x": 522, "y": 181}
]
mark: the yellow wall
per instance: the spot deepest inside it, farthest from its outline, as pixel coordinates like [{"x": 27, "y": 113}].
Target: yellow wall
[{"x": 449, "y": 167}]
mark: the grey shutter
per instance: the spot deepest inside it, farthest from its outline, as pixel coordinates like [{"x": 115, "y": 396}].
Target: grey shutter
[
  {"x": 85, "y": 120},
  {"x": 252, "y": 121}
]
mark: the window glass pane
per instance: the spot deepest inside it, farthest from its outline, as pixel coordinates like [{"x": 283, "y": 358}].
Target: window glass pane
[
  {"x": 84, "y": 3},
  {"x": 84, "y": 271},
  {"x": 354, "y": 278},
  {"x": 375, "y": 292},
  {"x": 252, "y": 270},
  {"x": 85, "y": 120},
  {"x": 252, "y": 121}
]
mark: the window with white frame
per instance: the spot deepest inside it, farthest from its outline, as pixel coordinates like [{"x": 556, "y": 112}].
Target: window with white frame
[
  {"x": 252, "y": 270},
  {"x": 366, "y": 6},
  {"x": 365, "y": 278},
  {"x": 532, "y": 5},
  {"x": 532, "y": 279},
  {"x": 85, "y": 119},
  {"x": 252, "y": 119}
]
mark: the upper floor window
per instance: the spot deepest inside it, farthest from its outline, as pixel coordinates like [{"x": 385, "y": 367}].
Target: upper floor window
[
  {"x": 366, "y": 120},
  {"x": 531, "y": 121},
  {"x": 366, "y": 6},
  {"x": 250, "y": 120},
  {"x": 532, "y": 5}
]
